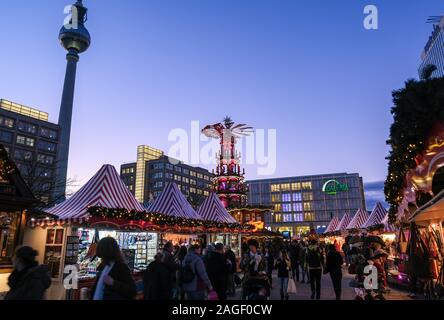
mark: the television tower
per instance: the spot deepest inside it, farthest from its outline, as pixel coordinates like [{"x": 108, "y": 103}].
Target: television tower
[{"x": 76, "y": 39}]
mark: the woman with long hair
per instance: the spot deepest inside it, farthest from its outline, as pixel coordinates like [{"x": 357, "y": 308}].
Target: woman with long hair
[{"x": 114, "y": 280}]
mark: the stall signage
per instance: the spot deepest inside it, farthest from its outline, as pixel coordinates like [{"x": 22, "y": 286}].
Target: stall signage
[{"x": 332, "y": 187}]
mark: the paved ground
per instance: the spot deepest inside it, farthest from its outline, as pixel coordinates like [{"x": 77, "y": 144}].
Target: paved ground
[{"x": 327, "y": 292}]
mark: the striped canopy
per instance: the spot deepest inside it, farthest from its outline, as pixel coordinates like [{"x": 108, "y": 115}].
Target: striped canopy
[
  {"x": 345, "y": 221},
  {"x": 104, "y": 189},
  {"x": 388, "y": 227},
  {"x": 213, "y": 210},
  {"x": 332, "y": 225},
  {"x": 172, "y": 202},
  {"x": 377, "y": 216},
  {"x": 358, "y": 220}
]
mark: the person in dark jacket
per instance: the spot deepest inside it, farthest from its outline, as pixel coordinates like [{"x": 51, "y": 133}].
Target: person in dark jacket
[
  {"x": 179, "y": 257},
  {"x": 195, "y": 289},
  {"x": 231, "y": 257},
  {"x": 170, "y": 262},
  {"x": 114, "y": 280},
  {"x": 334, "y": 262},
  {"x": 29, "y": 280},
  {"x": 283, "y": 266},
  {"x": 315, "y": 263},
  {"x": 294, "y": 258},
  {"x": 156, "y": 280},
  {"x": 269, "y": 258},
  {"x": 218, "y": 268}
]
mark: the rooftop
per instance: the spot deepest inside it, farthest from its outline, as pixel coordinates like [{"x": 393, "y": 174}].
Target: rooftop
[{"x": 23, "y": 110}]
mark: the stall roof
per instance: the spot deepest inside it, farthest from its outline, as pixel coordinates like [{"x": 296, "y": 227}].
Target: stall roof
[
  {"x": 213, "y": 210},
  {"x": 172, "y": 202},
  {"x": 104, "y": 189},
  {"x": 332, "y": 225},
  {"x": 345, "y": 221},
  {"x": 377, "y": 216},
  {"x": 358, "y": 220},
  {"x": 432, "y": 211}
]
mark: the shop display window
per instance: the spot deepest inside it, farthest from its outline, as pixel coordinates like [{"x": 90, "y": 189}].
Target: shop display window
[
  {"x": 9, "y": 230},
  {"x": 53, "y": 250}
]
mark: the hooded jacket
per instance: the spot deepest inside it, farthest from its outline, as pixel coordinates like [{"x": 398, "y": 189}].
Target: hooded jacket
[
  {"x": 29, "y": 284},
  {"x": 201, "y": 279}
]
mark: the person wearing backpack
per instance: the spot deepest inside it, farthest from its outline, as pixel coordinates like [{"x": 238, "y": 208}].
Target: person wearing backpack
[
  {"x": 218, "y": 269},
  {"x": 315, "y": 262},
  {"x": 193, "y": 276}
]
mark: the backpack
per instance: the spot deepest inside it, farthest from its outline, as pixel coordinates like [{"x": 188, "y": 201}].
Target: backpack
[
  {"x": 313, "y": 258},
  {"x": 186, "y": 273}
]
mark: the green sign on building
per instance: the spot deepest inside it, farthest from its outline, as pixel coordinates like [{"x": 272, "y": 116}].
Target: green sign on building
[{"x": 332, "y": 187}]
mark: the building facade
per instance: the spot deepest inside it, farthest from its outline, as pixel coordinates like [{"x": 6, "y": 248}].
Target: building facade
[
  {"x": 147, "y": 177},
  {"x": 31, "y": 141},
  {"x": 433, "y": 53},
  {"x": 308, "y": 202}
]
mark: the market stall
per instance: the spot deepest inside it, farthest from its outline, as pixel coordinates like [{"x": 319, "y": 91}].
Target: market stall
[
  {"x": 15, "y": 201},
  {"x": 213, "y": 210},
  {"x": 356, "y": 225},
  {"x": 69, "y": 239}
]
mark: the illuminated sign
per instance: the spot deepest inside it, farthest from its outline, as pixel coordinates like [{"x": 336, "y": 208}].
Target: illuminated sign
[{"x": 333, "y": 187}]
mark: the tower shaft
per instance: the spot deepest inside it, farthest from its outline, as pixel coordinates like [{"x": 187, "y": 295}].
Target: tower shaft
[{"x": 65, "y": 117}]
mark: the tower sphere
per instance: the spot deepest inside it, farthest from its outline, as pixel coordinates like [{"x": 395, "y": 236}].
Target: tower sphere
[{"x": 76, "y": 36}]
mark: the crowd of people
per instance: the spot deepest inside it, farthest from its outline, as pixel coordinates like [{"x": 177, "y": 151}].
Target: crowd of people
[{"x": 196, "y": 273}]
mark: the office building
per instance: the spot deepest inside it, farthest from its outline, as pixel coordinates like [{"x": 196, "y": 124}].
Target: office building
[
  {"x": 433, "y": 53},
  {"x": 307, "y": 202},
  {"x": 147, "y": 177},
  {"x": 32, "y": 141}
]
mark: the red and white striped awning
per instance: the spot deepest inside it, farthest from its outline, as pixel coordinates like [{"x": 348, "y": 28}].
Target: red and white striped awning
[
  {"x": 213, "y": 210},
  {"x": 345, "y": 221},
  {"x": 388, "y": 227},
  {"x": 332, "y": 225},
  {"x": 378, "y": 214},
  {"x": 104, "y": 189},
  {"x": 172, "y": 202},
  {"x": 358, "y": 220}
]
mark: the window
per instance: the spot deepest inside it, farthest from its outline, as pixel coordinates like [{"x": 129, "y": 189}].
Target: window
[
  {"x": 178, "y": 169},
  {"x": 298, "y": 217},
  {"x": 207, "y": 178},
  {"x": 158, "y": 184},
  {"x": 199, "y": 191},
  {"x": 22, "y": 154},
  {"x": 306, "y": 185},
  {"x": 286, "y": 207},
  {"x": 307, "y": 206},
  {"x": 276, "y": 197},
  {"x": 186, "y": 171},
  {"x": 193, "y": 190},
  {"x": 296, "y": 196},
  {"x": 169, "y": 166},
  {"x": 46, "y": 146},
  {"x": 296, "y": 186},
  {"x": 200, "y": 176},
  {"x": 285, "y": 187},
  {"x": 277, "y": 218},
  {"x": 309, "y": 216},
  {"x": 169, "y": 175},
  {"x": 206, "y": 193},
  {"x": 44, "y": 173},
  {"x": 157, "y": 175},
  {"x": 25, "y": 141},
  {"x": 48, "y": 133},
  {"x": 192, "y": 173},
  {"x": 192, "y": 182},
  {"x": 7, "y": 122},
  {"x": 287, "y": 218},
  {"x": 308, "y": 196},
  {"x": 27, "y": 127},
  {"x": 9, "y": 236},
  {"x": 297, "y": 207},
  {"x": 130, "y": 187},
  {"x": 275, "y": 188},
  {"x": 177, "y": 178},
  {"x": 277, "y": 207},
  {"x": 185, "y": 180},
  {"x": 286, "y": 197},
  {"x": 6, "y": 136}
]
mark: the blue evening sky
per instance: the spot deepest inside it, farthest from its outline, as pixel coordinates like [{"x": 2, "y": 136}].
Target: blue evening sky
[{"x": 308, "y": 69}]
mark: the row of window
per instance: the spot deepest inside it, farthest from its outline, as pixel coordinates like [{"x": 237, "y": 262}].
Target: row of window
[
  {"x": 169, "y": 166},
  {"x": 6, "y": 136},
  {"x": 20, "y": 154},
  {"x": 295, "y": 217},
  {"x": 289, "y": 197},
  {"x": 293, "y": 207},
  {"x": 186, "y": 191},
  {"x": 295, "y": 186},
  {"x": 127, "y": 170},
  {"x": 28, "y": 128}
]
